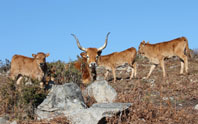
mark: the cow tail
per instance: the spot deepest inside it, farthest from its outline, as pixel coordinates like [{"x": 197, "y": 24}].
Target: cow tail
[{"x": 187, "y": 48}]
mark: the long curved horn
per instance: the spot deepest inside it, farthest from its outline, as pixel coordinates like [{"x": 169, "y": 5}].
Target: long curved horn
[
  {"x": 79, "y": 46},
  {"x": 104, "y": 46}
]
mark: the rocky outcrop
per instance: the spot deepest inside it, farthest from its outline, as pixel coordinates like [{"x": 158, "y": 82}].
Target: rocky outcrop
[{"x": 67, "y": 100}]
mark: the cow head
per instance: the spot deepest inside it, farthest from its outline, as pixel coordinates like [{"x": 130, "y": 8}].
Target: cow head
[
  {"x": 40, "y": 58},
  {"x": 92, "y": 54},
  {"x": 141, "y": 49}
]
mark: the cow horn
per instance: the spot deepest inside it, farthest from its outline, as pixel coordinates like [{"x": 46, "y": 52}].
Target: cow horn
[
  {"x": 79, "y": 46},
  {"x": 101, "y": 48}
]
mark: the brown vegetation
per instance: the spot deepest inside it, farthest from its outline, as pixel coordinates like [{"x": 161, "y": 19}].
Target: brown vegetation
[{"x": 157, "y": 100}]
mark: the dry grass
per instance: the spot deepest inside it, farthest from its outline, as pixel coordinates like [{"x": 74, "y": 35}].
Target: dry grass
[{"x": 158, "y": 100}]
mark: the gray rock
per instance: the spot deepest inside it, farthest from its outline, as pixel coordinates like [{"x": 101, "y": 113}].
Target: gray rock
[
  {"x": 196, "y": 107},
  {"x": 4, "y": 120},
  {"x": 60, "y": 98},
  {"x": 101, "y": 91},
  {"x": 98, "y": 111}
]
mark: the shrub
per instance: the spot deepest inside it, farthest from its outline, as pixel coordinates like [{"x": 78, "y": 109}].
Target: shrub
[
  {"x": 20, "y": 101},
  {"x": 4, "y": 66},
  {"x": 61, "y": 72}
]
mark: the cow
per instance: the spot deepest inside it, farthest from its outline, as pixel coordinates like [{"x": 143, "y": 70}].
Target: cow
[
  {"x": 156, "y": 53},
  {"x": 34, "y": 68},
  {"x": 113, "y": 60}
]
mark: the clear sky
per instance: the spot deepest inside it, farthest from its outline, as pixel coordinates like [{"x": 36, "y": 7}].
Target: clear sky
[{"x": 31, "y": 26}]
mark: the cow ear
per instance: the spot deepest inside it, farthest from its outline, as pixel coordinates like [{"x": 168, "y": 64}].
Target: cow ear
[
  {"x": 83, "y": 54},
  {"x": 147, "y": 42},
  {"x": 143, "y": 42},
  {"x": 99, "y": 53},
  {"x": 47, "y": 54},
  {"x": 33, "y": 55}
]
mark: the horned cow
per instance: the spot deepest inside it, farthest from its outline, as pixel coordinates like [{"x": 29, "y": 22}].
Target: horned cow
[
  {"x": 91, "y": 58},
  {"x": 26, "y": 66},
  {"x": 156, "y": 53}
]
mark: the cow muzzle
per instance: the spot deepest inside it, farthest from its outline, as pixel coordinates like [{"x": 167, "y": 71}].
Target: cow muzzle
[
  {"x": 92, "y": 65},
  {"x": 42, "y": 64}
]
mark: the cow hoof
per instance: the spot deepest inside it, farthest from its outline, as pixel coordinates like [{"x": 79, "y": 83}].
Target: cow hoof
[{"x": 145, "y": 78}]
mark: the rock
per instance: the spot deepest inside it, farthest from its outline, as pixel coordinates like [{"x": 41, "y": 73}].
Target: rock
[
  {"x": 4, "y": 120},
  {"x": 14, "y": 122},
  {"x": 196, "y": 107},
  {"x": 101, "y": 91},
  {"x": 96, "y": 112},
  {"x": 66, "y": 97}
]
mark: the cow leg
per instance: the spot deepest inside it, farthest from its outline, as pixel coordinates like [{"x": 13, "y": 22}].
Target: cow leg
[
  {"x": 151, "y": 69},
  {"x": 184, "y": 62},
  {"x": 19, "y": 80},
  {"x": 163, "y": 68},
  {"x": 133, "y": 71},
  {"x": 182, "y": 67},
  {"x": 106, "y": 74},
  {"x": 41, "y": 85},
  {"x": 114, "y": 75}
]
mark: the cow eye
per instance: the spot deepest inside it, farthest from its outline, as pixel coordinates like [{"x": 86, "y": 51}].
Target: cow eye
[
  {"x": 87, "y": 56},
  {"x": 96, "y": 57}
]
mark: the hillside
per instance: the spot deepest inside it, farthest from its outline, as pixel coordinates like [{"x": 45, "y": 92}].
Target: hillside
[{"x": 155, "y": 100}]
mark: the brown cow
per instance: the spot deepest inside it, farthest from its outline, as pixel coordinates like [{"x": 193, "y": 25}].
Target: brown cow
[
  {"x": 156, "y": 53},
  {"x": 113, "y": 60},
  {"x": 26, "y": 66}
]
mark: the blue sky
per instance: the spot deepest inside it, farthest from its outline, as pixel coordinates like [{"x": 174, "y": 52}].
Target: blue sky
[{"x": 31, "y": 26}]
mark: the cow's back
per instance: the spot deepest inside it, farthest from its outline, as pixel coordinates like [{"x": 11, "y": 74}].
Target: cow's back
[
  {"x": 168, "y": 48},
  {"x": 126, "y": 56}
]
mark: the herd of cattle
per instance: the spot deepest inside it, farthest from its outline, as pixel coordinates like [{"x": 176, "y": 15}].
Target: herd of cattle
[{"x": 35, "y": 67}]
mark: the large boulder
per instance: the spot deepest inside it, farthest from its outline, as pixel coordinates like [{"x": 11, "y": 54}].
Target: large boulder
[
  {"x": 66, "y": 97},
  {"x": 101, "y": 91}
]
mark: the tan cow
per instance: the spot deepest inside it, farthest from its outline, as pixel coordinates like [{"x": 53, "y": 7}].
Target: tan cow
[
  {"x": 111, "y": 61},
  {"x": 26, "y": 66},
  {"x": 156, "y": 53}
]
